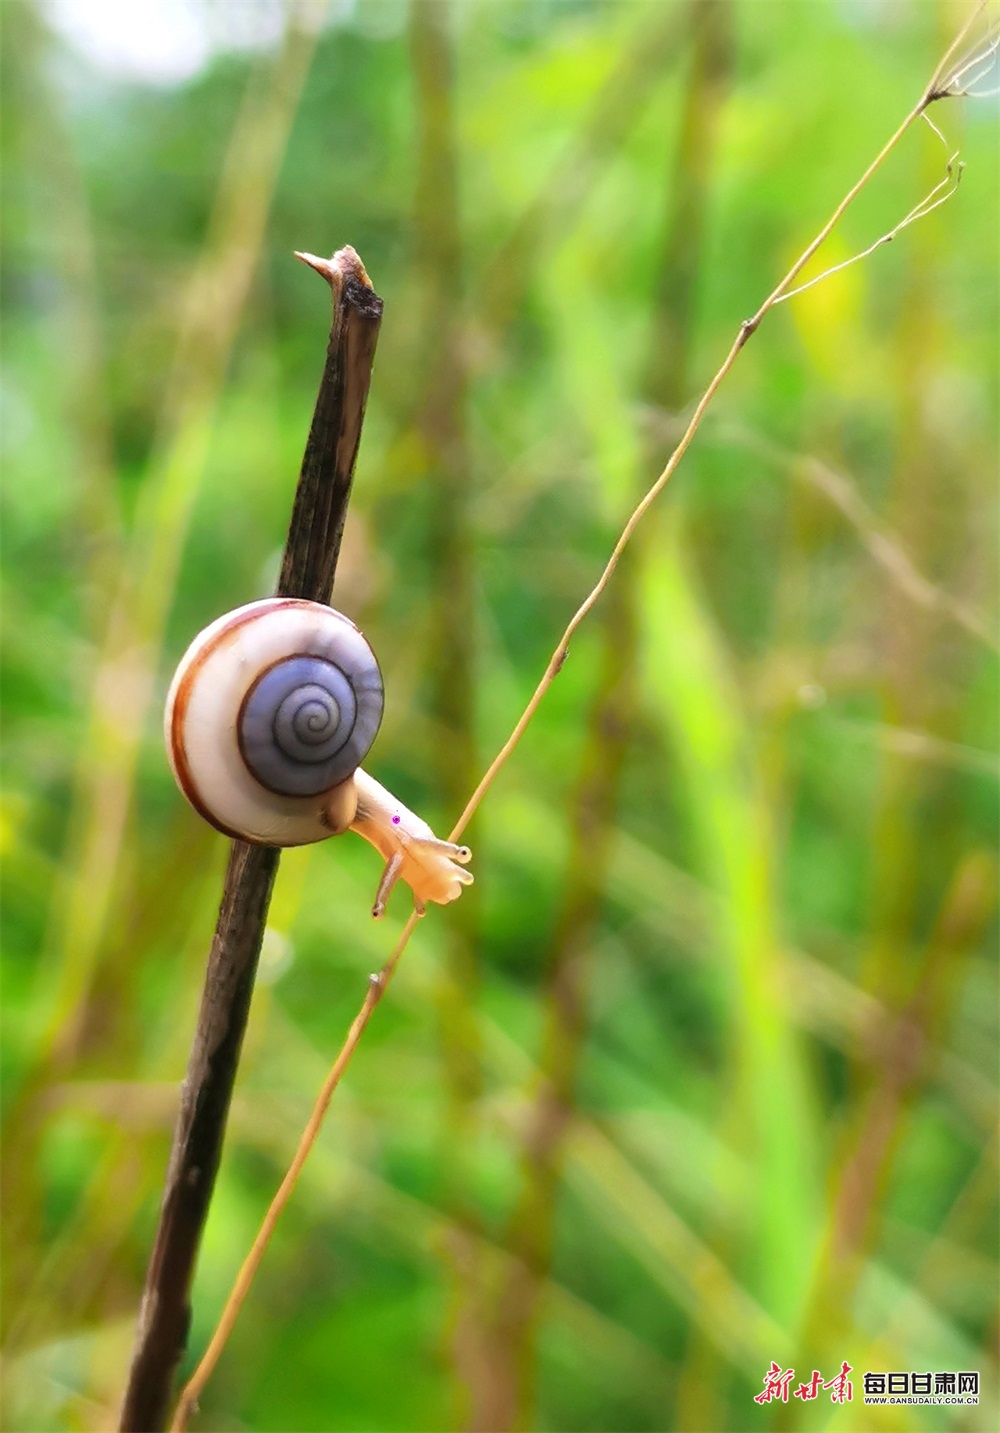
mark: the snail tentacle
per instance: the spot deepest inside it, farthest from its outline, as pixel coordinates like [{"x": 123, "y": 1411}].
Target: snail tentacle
[{"x": 390, "y": 876}]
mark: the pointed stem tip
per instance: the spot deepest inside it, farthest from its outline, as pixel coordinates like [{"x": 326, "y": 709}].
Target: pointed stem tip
[{"x": 345, "y": 264}]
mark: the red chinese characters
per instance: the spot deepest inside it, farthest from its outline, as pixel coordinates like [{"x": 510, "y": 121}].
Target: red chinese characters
[
  {"x": 777, "y": 1380},
  {"x": 775, "y": 1384}
]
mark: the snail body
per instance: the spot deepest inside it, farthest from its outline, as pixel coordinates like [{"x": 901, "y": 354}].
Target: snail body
[
  {"x": 433, "y": 869},
  {"x": 269, "y": 715}
]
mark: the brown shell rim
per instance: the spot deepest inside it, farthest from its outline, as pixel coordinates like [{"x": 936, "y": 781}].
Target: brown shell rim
[{"x": 182, "y": 770}]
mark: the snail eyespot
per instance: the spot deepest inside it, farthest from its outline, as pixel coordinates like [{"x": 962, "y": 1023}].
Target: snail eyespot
[{"x": 396, "y": 820}]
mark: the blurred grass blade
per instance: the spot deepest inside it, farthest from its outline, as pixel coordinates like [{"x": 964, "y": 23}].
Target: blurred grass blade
[
  {"x": 125, "y": 669},
  {"x": 127, "y": 666},
  {"x": 694, "y": 696}
]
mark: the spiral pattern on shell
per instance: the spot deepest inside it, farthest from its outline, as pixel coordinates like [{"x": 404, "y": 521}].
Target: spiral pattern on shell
[{"x": 272, "y": 707}]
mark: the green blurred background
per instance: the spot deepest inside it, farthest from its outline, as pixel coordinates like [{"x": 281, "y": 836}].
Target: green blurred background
[{"x": 701, "y": 1072}]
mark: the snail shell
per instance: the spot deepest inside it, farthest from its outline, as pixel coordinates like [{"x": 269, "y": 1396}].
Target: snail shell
[{"x": 269, "y": 714}]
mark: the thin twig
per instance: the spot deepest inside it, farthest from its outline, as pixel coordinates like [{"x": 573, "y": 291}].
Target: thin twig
[
  {"x": 188, "y": 1401},
  {"x": 747, "y": 328},
  {"x": 981, "y": 57},
  {"x": 939, "y": 88},
  {"x": 307, "y": 571},
  {"x": 378, "y": 984},
  {"x": 919, "y": 211}
]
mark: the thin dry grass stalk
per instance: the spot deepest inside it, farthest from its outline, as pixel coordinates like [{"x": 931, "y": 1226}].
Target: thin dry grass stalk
[
  {"x": 939, "y": 87},
  {"x": 931, "y": 201}
]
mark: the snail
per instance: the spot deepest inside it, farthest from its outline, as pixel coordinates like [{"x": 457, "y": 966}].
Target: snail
[{"x": 269, "y": 715}]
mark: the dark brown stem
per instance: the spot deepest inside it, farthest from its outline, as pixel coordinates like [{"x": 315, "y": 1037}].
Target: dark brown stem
[
  {"x": 317, "y": 525},
  {"x": 308, "y": 570}
]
